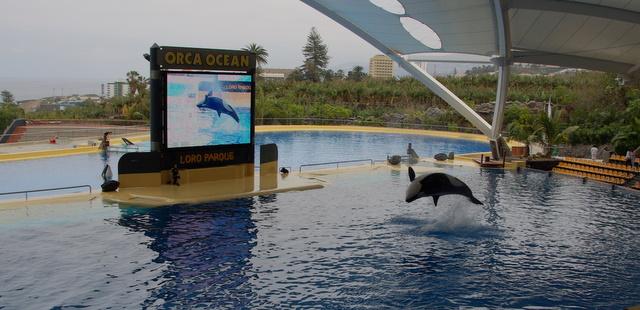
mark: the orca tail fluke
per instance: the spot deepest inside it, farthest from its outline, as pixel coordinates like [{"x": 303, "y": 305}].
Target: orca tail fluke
[{"x": 412, "y": 174}]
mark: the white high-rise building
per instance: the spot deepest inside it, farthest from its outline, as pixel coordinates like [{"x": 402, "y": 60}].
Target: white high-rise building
[
  {"x": 381, "y": 66},
  {"x": 117, "y": 89}
]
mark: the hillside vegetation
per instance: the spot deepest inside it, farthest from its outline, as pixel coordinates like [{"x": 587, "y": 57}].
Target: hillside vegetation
[
  {"x": 605, "y": 110},
  {"x": 594, "y": 101}
]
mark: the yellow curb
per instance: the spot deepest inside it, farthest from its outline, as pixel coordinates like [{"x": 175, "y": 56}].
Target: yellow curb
[{"x": 459, "y": 135}]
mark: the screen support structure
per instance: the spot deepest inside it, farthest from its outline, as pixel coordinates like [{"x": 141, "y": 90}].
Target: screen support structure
[
  {"x": 155, "y": 87},
  {"x": 201, "y": 122}
]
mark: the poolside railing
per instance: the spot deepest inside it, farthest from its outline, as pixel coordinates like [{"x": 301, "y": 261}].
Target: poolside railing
[
  {"x": 26, "y": 193},
  {"x": 337, "y": 163}
]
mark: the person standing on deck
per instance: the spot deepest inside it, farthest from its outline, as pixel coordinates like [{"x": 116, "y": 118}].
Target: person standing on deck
[
  {"x": 175, "y": 174},
  {"x": 630, "y": 158}
]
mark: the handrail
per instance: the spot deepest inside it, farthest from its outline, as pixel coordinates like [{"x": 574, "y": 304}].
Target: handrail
[
  {"x": 335, "y": 162},
  {"x": 45, "y": 190}
]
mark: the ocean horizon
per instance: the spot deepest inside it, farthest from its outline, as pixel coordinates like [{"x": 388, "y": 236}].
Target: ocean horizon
[{"x": 24, "y": 88}]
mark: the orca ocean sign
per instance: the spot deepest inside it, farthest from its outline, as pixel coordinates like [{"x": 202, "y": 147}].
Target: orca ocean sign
[{"x": 171, "y": 57}]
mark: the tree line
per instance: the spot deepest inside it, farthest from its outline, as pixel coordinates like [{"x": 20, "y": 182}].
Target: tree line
[{"x": 602, "y": 108}]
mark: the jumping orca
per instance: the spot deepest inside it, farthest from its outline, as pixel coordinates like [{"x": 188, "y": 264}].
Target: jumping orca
[
  {"x": 218, "y": 105},
  {"x": 436, "y": 184}
]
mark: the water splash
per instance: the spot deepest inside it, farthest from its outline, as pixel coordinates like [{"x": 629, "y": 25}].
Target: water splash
[{"x": 456, "y": 216}]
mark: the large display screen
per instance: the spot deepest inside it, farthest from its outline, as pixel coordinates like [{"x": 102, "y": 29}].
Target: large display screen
[{"x": 208, "y": 109}]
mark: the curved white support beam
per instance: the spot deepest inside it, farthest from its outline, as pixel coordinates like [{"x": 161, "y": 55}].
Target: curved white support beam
[
  {"x": 426, "y": 79},
  {"x": 504, "y": 68},
  {"x": 444, "y": 93},
  {"x": 414, "y": 70},
  {"x": 501, "y": 98}
]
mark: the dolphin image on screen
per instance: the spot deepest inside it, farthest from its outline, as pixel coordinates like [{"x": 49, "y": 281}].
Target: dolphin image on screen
[
  {"x": 218, "y": 105},
  {"x": 437, "y": 184}
]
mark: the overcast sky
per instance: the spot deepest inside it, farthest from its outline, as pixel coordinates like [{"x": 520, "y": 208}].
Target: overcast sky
[{"x": 106, "y": 39}]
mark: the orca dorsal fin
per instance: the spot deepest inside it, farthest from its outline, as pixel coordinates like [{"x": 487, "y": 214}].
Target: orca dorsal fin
[
  {"x": 412, "y": 174},
  {"x": 435, "y": 200}
]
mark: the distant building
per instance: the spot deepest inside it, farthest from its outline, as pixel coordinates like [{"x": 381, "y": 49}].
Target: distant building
[
  {"x": 29, "y": 105},
  {"x": 381, "y": 66},
  {"x": 567, "y": 72},
  {"x": 91, "y": 97},
  {"x": 275, "y": 74},
  {"x": 119, "y": 88},
  {"x": 48, "y": 107}
]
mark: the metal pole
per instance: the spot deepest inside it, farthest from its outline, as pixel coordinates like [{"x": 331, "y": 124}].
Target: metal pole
[{"x": 155, "y": 97}]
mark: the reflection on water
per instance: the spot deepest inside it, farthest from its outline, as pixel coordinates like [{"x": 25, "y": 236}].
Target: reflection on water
[{"x": 206, "y": 250}]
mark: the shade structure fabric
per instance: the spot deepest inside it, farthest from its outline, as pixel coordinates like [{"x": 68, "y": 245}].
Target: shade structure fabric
[{"x": 601, "y": 35}]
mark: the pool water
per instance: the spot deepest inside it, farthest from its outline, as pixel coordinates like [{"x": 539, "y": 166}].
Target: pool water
[
  {"x": 309, "y": 147},
  {"x": 538, "y": 242},
  {"x": 295, "y": 148}
]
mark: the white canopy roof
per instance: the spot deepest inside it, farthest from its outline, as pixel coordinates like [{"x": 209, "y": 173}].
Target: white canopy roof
[{"x": 599, "y": 35}]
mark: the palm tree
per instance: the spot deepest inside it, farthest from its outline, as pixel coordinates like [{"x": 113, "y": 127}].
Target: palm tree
[
  {"x": 261, "y": 53},
  {"x": 357, "y": 74},
  {"x": 523, "y": 130},
  {"x": 141, "y": 84},
  {"x": 629, "y": 136},
  {"x": 550, "y": 131},
  {"x": 133, "y": 81}
]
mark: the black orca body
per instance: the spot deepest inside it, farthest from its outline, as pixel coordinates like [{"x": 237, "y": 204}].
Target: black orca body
[
  {"x": 110, "y": 186},
  {"x": 437, "y": 184},
  {"x": 218, "y": 105}
]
